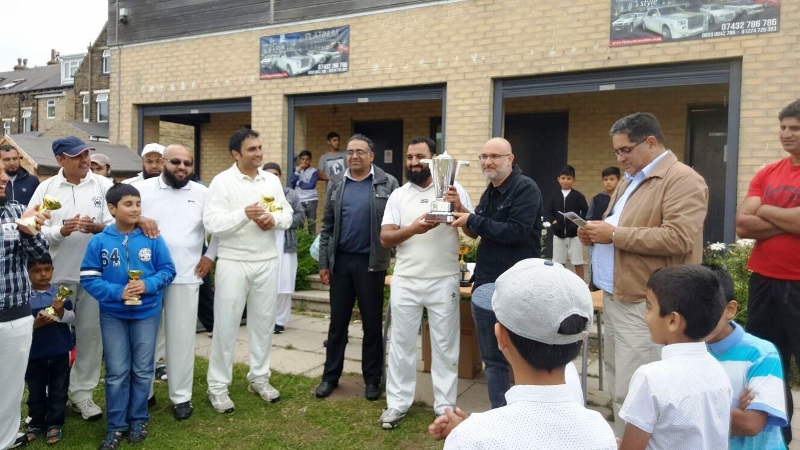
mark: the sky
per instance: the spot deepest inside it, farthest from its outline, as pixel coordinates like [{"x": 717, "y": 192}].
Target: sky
[{"x": 32, "y": 27}]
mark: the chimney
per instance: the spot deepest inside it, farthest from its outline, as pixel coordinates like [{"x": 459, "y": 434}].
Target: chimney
[
  {"x": 53, "y": 57},
  {"x": 19, "y": 65},
  {"x": 25, "y": 63}
]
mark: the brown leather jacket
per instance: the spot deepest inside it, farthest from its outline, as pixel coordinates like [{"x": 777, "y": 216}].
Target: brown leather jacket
[{"x": 661, "y": 225}]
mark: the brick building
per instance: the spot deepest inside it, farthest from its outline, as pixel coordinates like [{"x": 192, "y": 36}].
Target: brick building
[{"x": 551, "y": 78}]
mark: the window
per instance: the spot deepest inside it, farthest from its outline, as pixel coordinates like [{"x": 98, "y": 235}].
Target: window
[
  {"x": 102, "y": 107},
  {"x": 7, "y": 127},
  {"x": 86, "y": 107},
  {"x": 51, "y": 109},
  {"x": 26, "y": 120},
  {"x": 106, "y": 61}
]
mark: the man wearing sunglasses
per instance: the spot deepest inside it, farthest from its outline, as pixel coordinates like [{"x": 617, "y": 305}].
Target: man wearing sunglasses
[
  {"x": 655, "y": 219},
  {"x": 176, "y": 204}
]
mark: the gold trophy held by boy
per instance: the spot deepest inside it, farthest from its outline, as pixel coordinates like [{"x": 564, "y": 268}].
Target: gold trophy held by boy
[
  {"x": 136, "y": 300},
  {"x": 270, "y": 205},
  {"x": 58, "y": 303}
]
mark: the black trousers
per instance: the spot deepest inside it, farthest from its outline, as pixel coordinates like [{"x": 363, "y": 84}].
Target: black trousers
[
  {"x": 773, "y": 314},
  {"x": 351, "y": 280},
  {"x": 205, "y": 305},
  {"x": 48, "y": 382}
]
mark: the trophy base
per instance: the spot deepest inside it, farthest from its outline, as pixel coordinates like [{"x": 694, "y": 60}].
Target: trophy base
[
  {"x": 440, "y": 218},
  {"x": 49, "y": 311},
  {"x": 465, "y": 283},
  {"x": 28, "y": 224},
  {"x": 132, "y": 302}
]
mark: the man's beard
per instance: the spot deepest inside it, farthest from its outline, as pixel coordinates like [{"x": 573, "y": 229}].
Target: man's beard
[
  {"x": 146, "y": 175},
  {"x": 12, "y": 173},
  {"x": 174, "y": 182},
  {"x": 420, "y": 177}
]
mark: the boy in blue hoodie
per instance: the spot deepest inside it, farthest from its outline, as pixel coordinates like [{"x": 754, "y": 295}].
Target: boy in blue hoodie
[
  {"x": 129, "y": 332},
  {"x": 47, "y": 374}
]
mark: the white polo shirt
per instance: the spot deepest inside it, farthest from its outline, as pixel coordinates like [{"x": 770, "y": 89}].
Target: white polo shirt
[
  {"x": 540, "y": 417},
  {"x": 179, "y": 214},
  {"x": 683, "y": 401},
  {"x": 240, "y": 238}
]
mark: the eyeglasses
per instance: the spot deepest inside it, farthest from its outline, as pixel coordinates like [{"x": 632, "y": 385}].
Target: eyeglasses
[
  {"x": 493, "y": 157},
  {"x": 627, "y": 150},
  {"x": 357, "y": 152},
  {"x": 177, "y": 162}
]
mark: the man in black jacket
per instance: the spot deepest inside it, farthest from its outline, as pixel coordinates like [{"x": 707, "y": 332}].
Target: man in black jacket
[
  {"x": 508, "y": 220},
  {"x": 21, "y": 184},
  {"x": 351, "y": 236}
]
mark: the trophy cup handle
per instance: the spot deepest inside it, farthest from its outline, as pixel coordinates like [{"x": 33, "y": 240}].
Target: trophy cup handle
[
  {"x": 458, "y": 167},
  {"x": 427, "y": 161}
]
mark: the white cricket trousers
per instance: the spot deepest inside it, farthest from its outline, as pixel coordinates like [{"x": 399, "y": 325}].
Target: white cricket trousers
[
  {"x": 237, "y": 283},
  {"x": 15, "y": 346},
  {"x": 85, "y": 373},
  {"x": 407, "y": 298},
  {"x": 284, "y": 309},
  {"x": 180, "y": 317}
]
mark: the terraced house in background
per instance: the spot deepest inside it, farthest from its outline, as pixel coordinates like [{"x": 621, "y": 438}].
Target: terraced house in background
[{"x": 551, "y": 78}]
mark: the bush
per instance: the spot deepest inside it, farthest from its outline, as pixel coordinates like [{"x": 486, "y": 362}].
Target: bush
[
  {"x": 733, "y": 258},
  {"x": 306, "y": 265}
]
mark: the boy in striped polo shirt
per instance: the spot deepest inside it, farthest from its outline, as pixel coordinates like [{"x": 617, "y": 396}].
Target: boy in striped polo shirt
[{"x": 758, "y": 406}]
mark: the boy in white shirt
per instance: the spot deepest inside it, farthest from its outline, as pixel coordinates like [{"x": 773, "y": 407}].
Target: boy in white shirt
[
  {"x": 682, "y": 401},
  {"x": 544, "y": 312}
]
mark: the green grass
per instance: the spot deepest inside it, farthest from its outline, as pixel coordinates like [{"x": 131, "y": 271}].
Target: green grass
[{"x": 297, "y": 421}]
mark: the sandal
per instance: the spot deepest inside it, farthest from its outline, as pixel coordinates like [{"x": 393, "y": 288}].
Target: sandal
[
  {"x": 54, "y": 434},
  {"x": 112, "y": 441},
  {"x": 31, "y": 433},
  {"x": 138, "y": 433}
]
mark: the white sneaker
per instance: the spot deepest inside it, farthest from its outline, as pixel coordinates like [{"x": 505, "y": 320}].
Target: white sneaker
[
  {"x": 390, "y": 418},
  {"x": 87, "y": 409},
  {"x": 222, "y": 403},
  {"x": 265, "y": 390}
]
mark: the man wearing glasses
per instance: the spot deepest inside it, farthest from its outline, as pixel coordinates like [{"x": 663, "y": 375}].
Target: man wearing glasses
[
  {"x": 176, "y": 204},
  {"x": 353, "y": 262},
  {"x": 655, "y": 219},
  {"x": 508, "y": 220}
]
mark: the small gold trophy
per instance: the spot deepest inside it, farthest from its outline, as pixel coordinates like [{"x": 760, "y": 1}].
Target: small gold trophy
[
  {"x": 269, "y": 204},
  {"x": 463, "y": 249},
  {"x": 134, "y": 275},
  {"x": 49, "y": 203},
  {"x": 63, "y": 293}
]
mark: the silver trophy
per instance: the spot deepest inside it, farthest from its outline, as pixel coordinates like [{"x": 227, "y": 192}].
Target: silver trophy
[{"x": 444, "y": 169}]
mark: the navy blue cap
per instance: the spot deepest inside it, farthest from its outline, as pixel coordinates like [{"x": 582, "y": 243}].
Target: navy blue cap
[{"x": 70, "y": 145}]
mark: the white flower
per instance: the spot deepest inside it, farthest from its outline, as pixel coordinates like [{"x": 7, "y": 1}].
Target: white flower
[
  {"x": 545, "y": 224},
  {"x": 745, "y": 242},
  {"x": 717, "y": 246}
]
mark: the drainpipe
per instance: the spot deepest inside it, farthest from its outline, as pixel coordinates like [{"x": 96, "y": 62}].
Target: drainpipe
[{"x": 89, "y": 48}]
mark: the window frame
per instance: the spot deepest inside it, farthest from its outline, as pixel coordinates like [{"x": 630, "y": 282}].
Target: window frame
[
  {"x": 51, "y": 103},
  {"x": 26, "y": 120},
  {"x": 6, "y": 127},
  {"x": 106, "y": 68},
  {"x": 102, "y": 98},
  {"x": 87, "y": 108}
]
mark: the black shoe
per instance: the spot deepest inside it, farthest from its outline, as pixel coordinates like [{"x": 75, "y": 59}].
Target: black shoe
[
  {"x": 151, "y": 401},
  {"x": 325, "y": 388},
  {"x": 279, "y": 329},
  {"x": 372, "y": 392},
  {"x": 20, "y": 441},
  {"x": 182, "y": 411}
]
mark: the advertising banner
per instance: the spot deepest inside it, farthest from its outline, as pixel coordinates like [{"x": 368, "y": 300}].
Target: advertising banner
[
  {"x": 635, "y": 22},
  {"x": 312, "y": 52}
]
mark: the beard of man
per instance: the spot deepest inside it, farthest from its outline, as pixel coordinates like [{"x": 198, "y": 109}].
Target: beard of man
[
  {"x": 147, "y": 175},
  {"x": 12, "y": 173},
  {"x": 174, "y": 182},
  {"x": 420, "y": 177}
]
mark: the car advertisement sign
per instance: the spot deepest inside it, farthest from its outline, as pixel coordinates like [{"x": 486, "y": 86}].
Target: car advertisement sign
[
  {"x": 635, "y": 22},
  {"x": 312, "y": 52}
]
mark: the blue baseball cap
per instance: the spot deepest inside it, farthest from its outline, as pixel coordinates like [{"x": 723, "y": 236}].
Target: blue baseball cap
[{"x": 70, "y": 146}]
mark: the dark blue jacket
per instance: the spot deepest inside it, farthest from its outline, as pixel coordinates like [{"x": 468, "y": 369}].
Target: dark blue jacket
[
  {"x": 54, "y": 339},
  {"x": 22, "y": 188},
  {"x": 509, "y": 221},
  {"x": 575, "y": 202}
]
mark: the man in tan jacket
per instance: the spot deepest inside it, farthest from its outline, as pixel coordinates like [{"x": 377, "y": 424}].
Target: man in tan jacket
[{"x": 655, "y": 219}]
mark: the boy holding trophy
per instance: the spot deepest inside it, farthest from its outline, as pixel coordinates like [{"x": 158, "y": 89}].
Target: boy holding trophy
[
  {"x": 130, "y": 310},
  {"x": 47, "y": 375}
]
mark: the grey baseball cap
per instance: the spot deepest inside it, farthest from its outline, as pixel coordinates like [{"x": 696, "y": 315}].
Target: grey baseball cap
[{"x": 534, "y": 296}]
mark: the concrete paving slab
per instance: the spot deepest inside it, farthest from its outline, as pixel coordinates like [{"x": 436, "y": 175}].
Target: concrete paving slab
[
  {"x": 309, "y": 322},
  {"x": 293, "y": 361},
  {"x": 302, "y": 340}
]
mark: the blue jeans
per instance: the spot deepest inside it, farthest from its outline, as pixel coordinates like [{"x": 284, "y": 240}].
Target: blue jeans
[
  {"x": 497, "y": 373},
  {"x": 48, "y": 380},
  {"x": 129, "y": 347}
]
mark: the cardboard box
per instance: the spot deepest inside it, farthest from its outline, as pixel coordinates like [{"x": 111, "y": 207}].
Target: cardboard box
[{"x": 469, "y": 358}]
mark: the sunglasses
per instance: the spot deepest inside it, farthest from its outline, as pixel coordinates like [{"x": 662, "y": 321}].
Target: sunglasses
[{"x": 177, "y": 162}]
